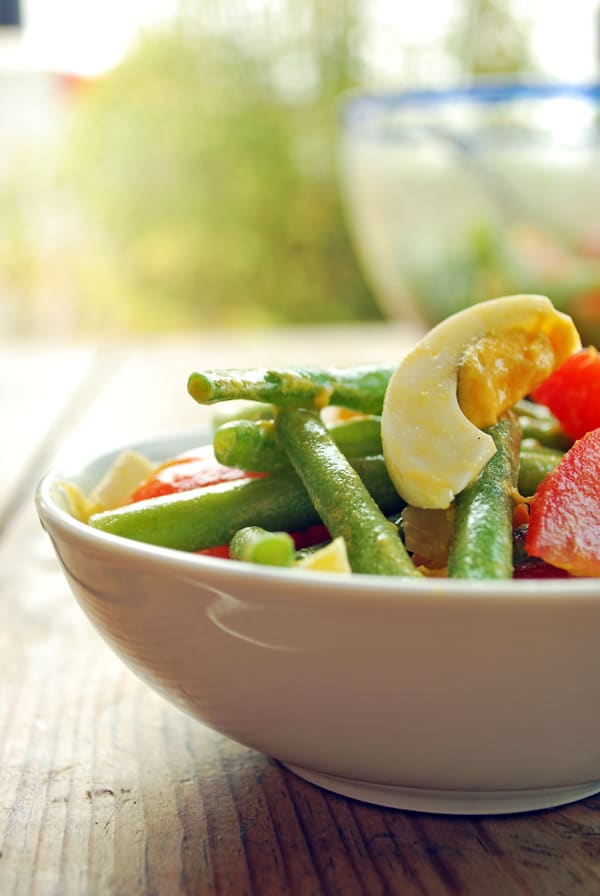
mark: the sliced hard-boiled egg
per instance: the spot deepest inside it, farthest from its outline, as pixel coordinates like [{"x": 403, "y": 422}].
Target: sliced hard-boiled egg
[{"x": 462, "y": 376}]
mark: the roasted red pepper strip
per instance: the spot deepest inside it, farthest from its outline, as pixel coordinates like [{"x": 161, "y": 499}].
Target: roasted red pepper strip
[
  {"x": 221, "y": 550},
  {"x": 193, "y": 469},
  {"x": 564, "y": 522},
  {"x": 307, "y": 538},
  {"x": 537, "y": 569},
  {"x": 572, "y": 393}
]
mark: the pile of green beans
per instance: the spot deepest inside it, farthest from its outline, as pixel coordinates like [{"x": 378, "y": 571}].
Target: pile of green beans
[
  {"x": 256, "y": 445},
  {"x": 210, "y": 516},
  {"x": 334, "y": 475}
]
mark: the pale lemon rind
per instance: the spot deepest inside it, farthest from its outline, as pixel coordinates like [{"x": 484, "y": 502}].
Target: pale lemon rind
[{"x": 333, "y": 557}]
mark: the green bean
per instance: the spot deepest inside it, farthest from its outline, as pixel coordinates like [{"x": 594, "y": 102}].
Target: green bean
[
  {"x": 340, "y": 496},
  {"x": 241, "y": 410},
  {"x": 255, "y": 446},
  {"x": 210, "y": 516},
  {"x": 547, "y": 435},
  {"x": 525, "y": 407},
  {"x": 250, "y": 445},
  {"x": 360, "y": 388},
  {"x": 481, "y": 543},
  {"x": 255, "y": 545},
  {"x": 539, "y": 423},
  {"x": 535, "y": 465}
]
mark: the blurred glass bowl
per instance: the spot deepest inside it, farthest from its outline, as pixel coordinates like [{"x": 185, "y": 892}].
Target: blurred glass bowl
[{"x": 464, "y": 194}]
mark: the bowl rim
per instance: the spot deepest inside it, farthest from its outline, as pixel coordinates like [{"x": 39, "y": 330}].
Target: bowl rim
[
  {"x": 485, "y": 91},
  {"x": 55, "y": 519}
]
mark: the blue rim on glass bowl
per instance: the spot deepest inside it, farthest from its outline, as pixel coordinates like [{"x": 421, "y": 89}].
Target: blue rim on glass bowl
[{"x": 364, "y": 109}]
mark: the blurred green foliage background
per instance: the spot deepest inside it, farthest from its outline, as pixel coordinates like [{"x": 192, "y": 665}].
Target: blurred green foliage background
[
  {"x": 218, "y": 190},
  {"x": 195, "y": 184}
]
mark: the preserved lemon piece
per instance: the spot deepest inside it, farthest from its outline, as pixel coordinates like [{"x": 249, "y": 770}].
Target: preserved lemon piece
[{"x": 330, "y": 558}]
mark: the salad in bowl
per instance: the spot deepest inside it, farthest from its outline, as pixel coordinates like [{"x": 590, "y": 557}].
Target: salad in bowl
[
  {"x": 418, "y": 470},
  {"x": 385, "y": 577}
]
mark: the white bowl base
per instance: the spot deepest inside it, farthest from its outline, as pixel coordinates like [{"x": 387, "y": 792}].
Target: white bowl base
[{"x": 448, "y": 802}]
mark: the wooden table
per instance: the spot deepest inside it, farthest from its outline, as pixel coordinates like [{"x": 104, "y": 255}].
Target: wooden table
[{"x": 107, "y": 790}]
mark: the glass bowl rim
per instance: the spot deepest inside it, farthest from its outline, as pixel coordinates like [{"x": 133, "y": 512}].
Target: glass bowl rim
[{"x": 366, "y": 108}]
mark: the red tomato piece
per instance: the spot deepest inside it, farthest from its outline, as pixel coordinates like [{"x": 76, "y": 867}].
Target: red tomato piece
[
  {"x": 564, "y": 523},
  {"x": 572, "y": 393},
  {"x": 221, "y": 550},
  {"x": 193, "y": 469}
]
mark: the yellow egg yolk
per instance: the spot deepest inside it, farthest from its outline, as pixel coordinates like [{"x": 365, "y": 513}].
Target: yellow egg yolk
[{"x": 498, "y": 369}]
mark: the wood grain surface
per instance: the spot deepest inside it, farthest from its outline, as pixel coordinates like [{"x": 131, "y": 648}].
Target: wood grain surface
[{"x": 107, "y": 790}]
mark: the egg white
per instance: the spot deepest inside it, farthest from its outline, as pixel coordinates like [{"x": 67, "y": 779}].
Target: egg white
[{"x": 432, "y": 450}]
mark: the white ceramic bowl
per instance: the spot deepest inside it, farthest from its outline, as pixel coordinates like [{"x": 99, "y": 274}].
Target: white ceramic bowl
[{"x": 435, "y": 695}]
